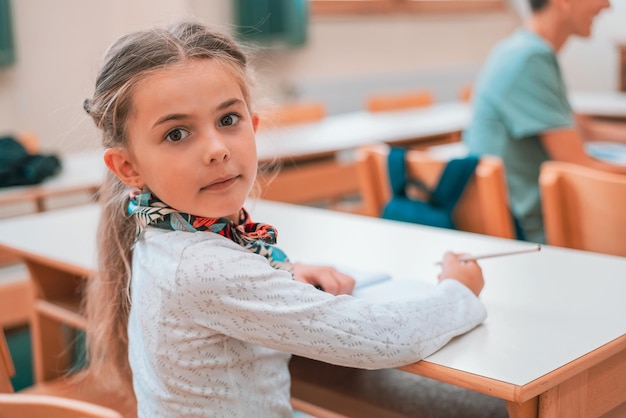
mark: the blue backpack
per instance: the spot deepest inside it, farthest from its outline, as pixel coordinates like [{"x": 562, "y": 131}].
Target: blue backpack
[{"x": 436, "y": 209}]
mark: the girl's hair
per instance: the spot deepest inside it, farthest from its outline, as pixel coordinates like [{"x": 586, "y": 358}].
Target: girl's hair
[{"x": 128, "y": 61}]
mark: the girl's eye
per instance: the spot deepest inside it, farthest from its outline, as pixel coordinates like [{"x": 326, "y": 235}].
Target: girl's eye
[
  {"x": 229, "y": 120},
  {"x": 177, "y": 134}
]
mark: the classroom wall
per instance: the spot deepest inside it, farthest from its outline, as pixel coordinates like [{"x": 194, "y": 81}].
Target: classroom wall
[
  {"x": 59, "y": 47},
  {"x": 592, "y": 64},
  {"x": 60, "y": 44}
]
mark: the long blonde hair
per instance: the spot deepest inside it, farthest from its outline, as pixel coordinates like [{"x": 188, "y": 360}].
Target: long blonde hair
[{"x": 128, "y": 61}]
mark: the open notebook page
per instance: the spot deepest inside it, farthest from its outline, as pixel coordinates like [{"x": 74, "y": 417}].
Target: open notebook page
[
  {"x": 381, "y": 287},
  {"x": 395, "y": 290},
  {"x": 364, "y": 278}
]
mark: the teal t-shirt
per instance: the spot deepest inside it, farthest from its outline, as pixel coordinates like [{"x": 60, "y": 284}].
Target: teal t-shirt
[{"x": 519, "y": 94}]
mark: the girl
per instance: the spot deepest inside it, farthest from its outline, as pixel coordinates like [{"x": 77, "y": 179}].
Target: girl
[{"x": 192, "y": 296}]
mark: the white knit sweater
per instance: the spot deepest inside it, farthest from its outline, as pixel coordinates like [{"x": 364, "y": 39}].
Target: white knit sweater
[{"x": 212, "y": 325}]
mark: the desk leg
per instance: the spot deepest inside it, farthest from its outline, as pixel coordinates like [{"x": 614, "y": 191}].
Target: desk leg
[
  {"x": 40, "y": 203},
  {"x": 591, "y": 393},
  {"x": 528, "y": 409}
]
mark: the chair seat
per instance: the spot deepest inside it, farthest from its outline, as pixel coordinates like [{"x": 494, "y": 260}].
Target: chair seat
[{"x": 86, "y": 389}]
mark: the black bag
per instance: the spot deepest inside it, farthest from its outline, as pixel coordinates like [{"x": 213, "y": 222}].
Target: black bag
[{"x": 18, "y": 167}]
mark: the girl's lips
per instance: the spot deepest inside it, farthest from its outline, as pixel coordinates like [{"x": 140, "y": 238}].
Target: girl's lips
[{"x": 221, "y": 184}]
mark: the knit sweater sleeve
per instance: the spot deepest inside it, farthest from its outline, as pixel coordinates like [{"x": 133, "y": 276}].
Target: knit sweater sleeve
[{"x": 234, "y": 292}]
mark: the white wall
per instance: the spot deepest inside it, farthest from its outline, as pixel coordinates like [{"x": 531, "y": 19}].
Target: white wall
[
  {"x": 592, "y": 64},
  {"x": 59, "y": 47},
  {"x": 60, "y": 44}
]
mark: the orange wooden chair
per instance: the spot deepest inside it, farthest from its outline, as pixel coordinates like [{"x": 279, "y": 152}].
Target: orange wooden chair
[
  {"x": 324, "y": 182},
  {"x": 465, "y": 94},
  {"x": 483, "y": 207},
  {"x": 291, "y": 114},
  {"x": 327, "y": 183},
  {"x": 583, "y": 208},
  {"x": 88, "y": 393},
  {"x": 399, "y": 101},
  {"x": 28, "y": 406}
]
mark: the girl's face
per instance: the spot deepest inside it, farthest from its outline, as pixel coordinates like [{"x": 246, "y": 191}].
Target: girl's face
[{"x": 191, "y": 139}]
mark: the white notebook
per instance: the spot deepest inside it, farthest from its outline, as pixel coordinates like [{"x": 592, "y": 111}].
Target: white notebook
[
  {"x": 380, "y": 287},
  {"x": 364, "y": 278}
]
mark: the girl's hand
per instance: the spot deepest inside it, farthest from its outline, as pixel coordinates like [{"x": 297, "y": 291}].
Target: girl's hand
[
  {"x": 325, "y": 277},
  {"x": 468, "y": 273}
]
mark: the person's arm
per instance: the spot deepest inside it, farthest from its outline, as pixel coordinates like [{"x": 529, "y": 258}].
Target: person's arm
[
  {"x": 568, "y": 145},
  {"x": 326, "y": 278},
  {"x": 594, "y": 129}
]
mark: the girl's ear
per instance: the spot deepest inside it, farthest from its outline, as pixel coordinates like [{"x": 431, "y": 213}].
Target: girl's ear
[
  {"x": 255, "y": 121},
  {"x": 118, "y": 161}
]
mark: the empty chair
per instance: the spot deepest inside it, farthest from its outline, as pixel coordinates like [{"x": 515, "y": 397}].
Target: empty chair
[
  {"x": 399, "y": 101},
  {"x": 88, "y": 391},
  {"x": 482, "y": 208},
  {"x": 329, "y": 183},
  {"x": 291, "y": 113},
  {"x": 583, "y": 208},
  {"x": 27, "y": 406}
]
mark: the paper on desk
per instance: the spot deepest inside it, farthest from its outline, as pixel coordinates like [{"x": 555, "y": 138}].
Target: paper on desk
[
  {"x": 377, "y": 286},
  {"x": 611, "y": 152},
  {"x": 364, "y": 278},
  {"x": 395, "y": 290}
]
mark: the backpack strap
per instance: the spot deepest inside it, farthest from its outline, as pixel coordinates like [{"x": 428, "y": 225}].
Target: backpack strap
[
  {"x": 396, "y": 167},
  {"x": 398, "y": 179},
  {"x": 452, "y": 182}
]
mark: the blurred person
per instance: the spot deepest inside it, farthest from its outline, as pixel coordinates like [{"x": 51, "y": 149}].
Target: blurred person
[{"x": 521, "y": 111}]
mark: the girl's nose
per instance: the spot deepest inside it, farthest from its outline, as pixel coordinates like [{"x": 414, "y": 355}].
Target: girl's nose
[{"x": 215, "y": 150}]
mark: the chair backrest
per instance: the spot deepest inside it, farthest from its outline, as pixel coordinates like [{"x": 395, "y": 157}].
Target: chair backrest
[
  {"x": 328, "y": 183},
  {"x": 16, "y": 296},
  {"x": 27, "y": 406},
  {"x": 465, "y": 94},
  {"x": 583, "y": 208},
  {"x": 7, "y": 370},
  {"x": 64, "y": 397},
  {"x": 291, "y": 114},
  {"x": 483, "y": 207},
  {"x": 399, "y": 101}
]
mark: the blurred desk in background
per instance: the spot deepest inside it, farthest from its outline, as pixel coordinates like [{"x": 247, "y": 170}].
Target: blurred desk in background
[
  {"x": 81, "y": 173},
  {"x": 316, "y": 160},
  {"x": 599, "y": 104},
  {"x": 610, "y": 152},
  {"x": 422, "y": 127},
  {"x": 417, "y": 128}
]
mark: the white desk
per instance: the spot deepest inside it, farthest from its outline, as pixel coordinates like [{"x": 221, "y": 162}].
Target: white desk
[
  {"x": 347, "y": 131},
  {"x": 610, "y": 152},
  {"x": 603, "y": 104},
  {"x": 554, "y": 341}
]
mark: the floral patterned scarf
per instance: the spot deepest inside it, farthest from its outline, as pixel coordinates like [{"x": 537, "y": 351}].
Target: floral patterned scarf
[{"x": 147, "y": 209}]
